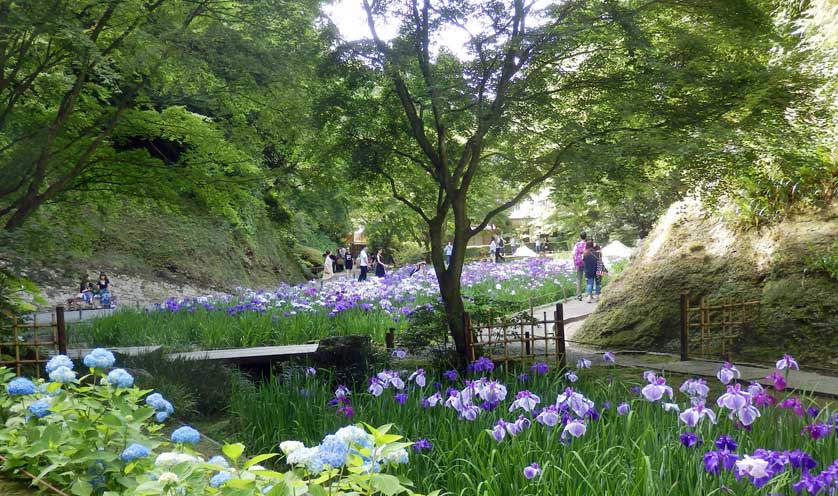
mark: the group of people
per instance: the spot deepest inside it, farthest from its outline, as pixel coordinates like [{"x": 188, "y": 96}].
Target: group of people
[
  {"x": 587, "y": 257},
  {"x": 342, "y": 260},
  {"x": 90, "y": 291},
  {"x": 496, "y": 248}
]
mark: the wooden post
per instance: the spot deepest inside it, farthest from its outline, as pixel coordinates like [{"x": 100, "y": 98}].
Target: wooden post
[
  {"x": 61, "y": 329},
  {"x": 685, "y": 326},
  {"x": 390, "y": 338},
  {"x": 560, "y": 344},
  {"x": 527, "y": 343}
]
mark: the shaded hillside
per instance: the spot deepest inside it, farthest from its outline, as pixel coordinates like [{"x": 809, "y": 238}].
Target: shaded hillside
[
  {"x": 786, "y": 267},
  {"x": 149, "y": 253}
]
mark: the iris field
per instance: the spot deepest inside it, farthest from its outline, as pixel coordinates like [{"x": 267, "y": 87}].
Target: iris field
[
  {"x": 544, "y": 431},
  {"x": 296, "y": 314}
]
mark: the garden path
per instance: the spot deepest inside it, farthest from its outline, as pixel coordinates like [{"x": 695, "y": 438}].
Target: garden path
[{"x": 805, "y": 381}]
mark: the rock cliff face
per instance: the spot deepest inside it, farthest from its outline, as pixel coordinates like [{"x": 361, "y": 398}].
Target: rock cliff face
[{"x": 692, "y": 250}]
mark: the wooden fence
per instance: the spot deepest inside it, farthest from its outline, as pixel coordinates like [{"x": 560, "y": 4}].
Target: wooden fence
[
  {"x": 27, "y": 345},
  {"x": 711, "y": 329},
  {"x": 525, "y": 336}
]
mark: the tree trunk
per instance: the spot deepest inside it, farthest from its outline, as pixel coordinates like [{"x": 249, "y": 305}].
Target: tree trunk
[
  {"x": 23, "y": 210},
  {"x": 449, "y": 279}
]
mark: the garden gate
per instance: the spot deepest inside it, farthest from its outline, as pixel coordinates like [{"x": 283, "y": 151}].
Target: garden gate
[
  {"x": 26, "y": 345},
  {"x": 523, "y": 336},
  {"x": 711, "y": 329}
]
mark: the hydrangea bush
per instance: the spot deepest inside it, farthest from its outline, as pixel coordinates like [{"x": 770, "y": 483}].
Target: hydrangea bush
[{"x": 98, "y": 434}]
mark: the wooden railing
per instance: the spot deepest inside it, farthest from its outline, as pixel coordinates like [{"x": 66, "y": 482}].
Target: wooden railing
[
  {"x": 521, "y": 337},
  {"x": 711, "y": 329},
  {"x": 27, "y": 345}
]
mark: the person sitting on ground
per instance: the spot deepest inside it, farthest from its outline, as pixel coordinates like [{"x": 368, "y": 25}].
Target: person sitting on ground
[
  {"x": 590, "y": 260},
  {"x": 417, "y": 268},
  {"x": 104, "y": 290},
  {"x": 86, "y": 290}
]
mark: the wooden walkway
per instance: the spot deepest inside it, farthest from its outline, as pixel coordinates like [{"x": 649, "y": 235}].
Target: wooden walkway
[
  {"x": 241, "y": 356},
  {"x": 261, "y": 354}
]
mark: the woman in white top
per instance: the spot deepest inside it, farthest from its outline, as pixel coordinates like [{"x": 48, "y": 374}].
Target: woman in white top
[{"x": 328, "y": 270}]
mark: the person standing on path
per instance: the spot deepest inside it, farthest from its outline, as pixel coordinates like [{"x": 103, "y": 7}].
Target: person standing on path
[
  {"x": 363, "y": 263},
  {"x": 601, "y": 269},
  {"x": 328, "y": 268},
  {"x": 379, "y": 263},
  {"x": 578, "y": 261},
  {"x": 493, "y": 247},
  {"x": 537, "y": 244},
  {"x": 347, "y": 261},
  {"x": 591, "y": 261},
  {"x": 449, "y": 249}
]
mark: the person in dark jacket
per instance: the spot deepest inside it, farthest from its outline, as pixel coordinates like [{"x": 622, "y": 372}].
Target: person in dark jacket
[{"x": 590, "y": 260}]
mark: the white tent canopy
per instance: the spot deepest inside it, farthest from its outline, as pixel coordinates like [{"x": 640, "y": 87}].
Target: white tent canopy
[
  {"x": 616, "y": 250},
  {"x": 523, "y": 251}
]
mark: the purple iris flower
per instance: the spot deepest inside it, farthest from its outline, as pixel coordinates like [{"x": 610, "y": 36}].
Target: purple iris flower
[
  {"x": 575, "y": 428},
  {"x": 690, "y": 439},
  {"x": 540, "y": 368},
  {"x": 656, "y": 389},
  {"x": 422, "y": 445},
  {"x": 715, "y": 461},
  {"x": 451, "y": 375},
  {"x": 793, "y": 404},
  {"x": 609, "y": 357},
  {"x": 623, "y": 408},
  {"x": 549, "y": 416},
  {"x": 583, "y": 363},
  {"x": 802, "y": 461},
  {"x": 692, "y": 416},
  {"x": 532, "y": 471},
  {"x": 525, "y": 400},
  {"x": 571, "y": 376},
  {"x": 401, "y": 398},
  {"x": 523, "y": 377},
  {"x": 734, "y": 399},
  {"x": 787, "y": 362},
  {"x": 482, "y": 364},
  {"x": 777, "y": 380},
  {"x": 727, "y": 373},
  {"x": 725, "y": 442},
  {"x": 695, "y": 388},
  {"x": 816, "y": 431},
  {"x": 499, "y": 430}
]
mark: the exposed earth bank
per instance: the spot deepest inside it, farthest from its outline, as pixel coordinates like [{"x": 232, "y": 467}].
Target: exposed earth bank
[
  {"x": 789, "y": 268},
  {"x": 148, "y": 254}
]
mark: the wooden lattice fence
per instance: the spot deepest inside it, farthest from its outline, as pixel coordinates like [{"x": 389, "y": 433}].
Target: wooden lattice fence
[
  {"x": 711, "y": 329},
  {"x": 25, "y": 345}
]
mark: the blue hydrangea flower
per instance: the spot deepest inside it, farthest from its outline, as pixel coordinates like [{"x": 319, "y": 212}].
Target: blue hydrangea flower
[
  {"x": 333, "y": 451},
  {"x": 99, "y": 358},
  {"x": 120, "y": 378},
  {"x": 59, "y": 361},
  {"x": 40, "y": 408},
  {"x": 220, "y": 478},
  {"x": 186, "y": 434},
  {"x": 220, "y": 461},
  {"x": 134, "y": 452},
  {"x": 20, "y": 386},
  {"x": 159, "y": 403},
  {"x": 62, "y": 375}
]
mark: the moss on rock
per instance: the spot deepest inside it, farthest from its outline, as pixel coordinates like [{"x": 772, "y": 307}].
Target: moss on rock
[{"x": 798, "y": 309}]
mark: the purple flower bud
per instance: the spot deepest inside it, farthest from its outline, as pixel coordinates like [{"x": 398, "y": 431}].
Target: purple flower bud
[{"x": 532, "y": 471}]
